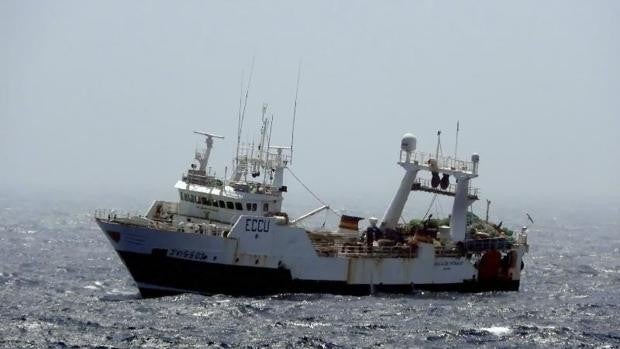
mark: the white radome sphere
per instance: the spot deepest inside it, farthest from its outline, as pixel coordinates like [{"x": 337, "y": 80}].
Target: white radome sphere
[{"x": 409, "y": 142}]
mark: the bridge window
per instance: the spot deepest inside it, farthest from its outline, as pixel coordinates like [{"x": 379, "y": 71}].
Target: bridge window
[
  {"x": 238, "y": 206},
  {"x": 203, "y": 200},
  {"x": 254, "y": 207},
  {"x": 221, "y": 204},
  {"x": 248, "y": 206},
  {"x": 230, "y": 205},
  {"x": 265, "y": 207}
]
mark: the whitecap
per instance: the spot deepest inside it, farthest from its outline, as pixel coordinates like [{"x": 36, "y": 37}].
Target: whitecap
[
  {"x": 497, "y": 330},
  {"x": 32, "y": 325},
  {"x": 307, "y": 324}
]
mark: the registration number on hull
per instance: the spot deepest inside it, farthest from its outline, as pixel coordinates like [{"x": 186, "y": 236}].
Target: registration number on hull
[{"x": 187, "y": 254}]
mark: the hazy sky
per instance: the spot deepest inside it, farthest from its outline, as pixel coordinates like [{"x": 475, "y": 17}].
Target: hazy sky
[{"x": 103, "y": 96}]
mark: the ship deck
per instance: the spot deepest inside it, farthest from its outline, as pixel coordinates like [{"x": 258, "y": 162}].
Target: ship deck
[{"x": 325, "y": 243}]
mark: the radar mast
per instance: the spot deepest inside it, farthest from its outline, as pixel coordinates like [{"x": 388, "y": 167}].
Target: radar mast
[{"x": 203, "y": 158}]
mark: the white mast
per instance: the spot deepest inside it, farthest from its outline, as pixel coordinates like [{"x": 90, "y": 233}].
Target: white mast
[
  {"x": 266, "y": 165},
  {"x": 392, "y": 214},
  {"x": 203, "y": 159},
  {"x": 456, "y": 143},
  {"x": 261, "y": 144},
  {"x": 458, "y": 219},
  {"x": 280, "y": 165}
]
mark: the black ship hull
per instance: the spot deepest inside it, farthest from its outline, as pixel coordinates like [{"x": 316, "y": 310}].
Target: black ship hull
[{"x": 159, "y": 275}]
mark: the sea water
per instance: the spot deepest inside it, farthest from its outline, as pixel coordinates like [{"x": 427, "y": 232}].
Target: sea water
[{"x": 62, "y": 286}]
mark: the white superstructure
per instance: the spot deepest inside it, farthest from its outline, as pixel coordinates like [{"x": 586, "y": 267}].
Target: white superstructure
[{"x": 254, "y": 188}]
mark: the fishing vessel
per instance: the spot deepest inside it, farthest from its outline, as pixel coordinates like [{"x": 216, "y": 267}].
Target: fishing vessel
[{"x": 231, "y": 234}]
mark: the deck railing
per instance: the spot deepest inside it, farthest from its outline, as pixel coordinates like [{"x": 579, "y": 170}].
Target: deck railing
[
  {"x": 447, "y": 252},
  {"x": 424, "y": 184},
  {"x": 126, "y": 217},
  {"x": 443, "y": 162},
  {"x": 501, "y": 244},
  {"x": 400, "y": 251},
  {"x": 110, "y": 215},
  {"x": 352, "y": 250},
  {"x": 522, "y": 239}
]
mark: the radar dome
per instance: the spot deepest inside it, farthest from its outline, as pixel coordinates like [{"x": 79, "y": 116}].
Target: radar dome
[
  {"x": 475, "y": 157},
  {"x": 408, "y": 143}
]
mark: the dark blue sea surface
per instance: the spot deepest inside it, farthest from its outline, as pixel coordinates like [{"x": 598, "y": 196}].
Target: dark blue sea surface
[{"x": 62, "y": 286}]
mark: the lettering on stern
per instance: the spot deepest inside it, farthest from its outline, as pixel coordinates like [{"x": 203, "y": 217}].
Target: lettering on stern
[{"x": 447, "y": 265}]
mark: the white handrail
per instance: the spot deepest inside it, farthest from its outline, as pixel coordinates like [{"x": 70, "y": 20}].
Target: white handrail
[{"x": 443, "y": 162}]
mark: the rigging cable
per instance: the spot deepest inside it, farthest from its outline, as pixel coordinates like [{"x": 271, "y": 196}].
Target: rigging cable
[
  {"x": 440, "y": 212},
  {"x": 430, "y": 206},
  {"x": 295, "y": 111},
  {"x": 403, "y": 219},
  {"x": 310, "y": 191}
]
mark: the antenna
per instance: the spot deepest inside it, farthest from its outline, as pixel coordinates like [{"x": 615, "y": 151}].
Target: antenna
[
  {"x": 438, "y": 145},
  {"x": 261, "y": 144},
  {"x": 456, "y": 143},
  {"x": 242, "y": 110},
  {"x": 270, "y": 129},
  {"x": 295, "y": 111},
  {"x": 268, "y": 170},
  {"x": 265, "y": 121},
  {"x": 240, "y": 100}
]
